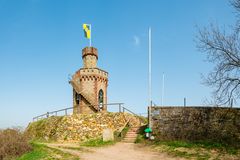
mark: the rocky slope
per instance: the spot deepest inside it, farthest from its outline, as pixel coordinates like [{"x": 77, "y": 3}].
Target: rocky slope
[{"x": 79, "y": 127}]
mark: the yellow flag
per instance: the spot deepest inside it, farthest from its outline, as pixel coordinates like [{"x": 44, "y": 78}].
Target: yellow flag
[{"x": 87, "y": 31}]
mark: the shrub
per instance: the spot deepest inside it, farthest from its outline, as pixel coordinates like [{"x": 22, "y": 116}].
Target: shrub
[{"x": 13, "y": 143}]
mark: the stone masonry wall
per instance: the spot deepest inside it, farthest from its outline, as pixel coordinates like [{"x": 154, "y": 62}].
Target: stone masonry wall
[
  {"x": 196, "y": 123},
  {"x": 79, "y": 127}
]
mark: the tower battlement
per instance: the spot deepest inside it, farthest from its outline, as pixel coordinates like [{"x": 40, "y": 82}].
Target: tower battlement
[{"x": 89, "y": 51}]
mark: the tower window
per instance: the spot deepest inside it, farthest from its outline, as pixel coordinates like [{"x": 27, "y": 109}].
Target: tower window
[
  {"x": 100, "y": 99},
  {"x": 77, "y": 98}
]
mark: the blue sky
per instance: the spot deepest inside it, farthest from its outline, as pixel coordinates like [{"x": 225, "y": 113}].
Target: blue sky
[{"x": 41, "y": 43}]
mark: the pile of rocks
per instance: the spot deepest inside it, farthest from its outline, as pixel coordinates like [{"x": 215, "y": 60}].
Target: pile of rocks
[{"x": 79, "y": 127}]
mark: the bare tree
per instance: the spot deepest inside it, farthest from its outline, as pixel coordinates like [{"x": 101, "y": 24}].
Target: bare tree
[{"x": 223, "y": 50}]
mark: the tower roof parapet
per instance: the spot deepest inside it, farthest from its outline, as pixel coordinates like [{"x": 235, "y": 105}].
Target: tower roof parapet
[{"x": 89, "y": 51}]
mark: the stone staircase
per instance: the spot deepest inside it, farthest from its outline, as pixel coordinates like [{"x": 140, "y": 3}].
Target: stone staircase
[
  {"x": 131, "y": 135},
  {"x": 88, "y": 99}
]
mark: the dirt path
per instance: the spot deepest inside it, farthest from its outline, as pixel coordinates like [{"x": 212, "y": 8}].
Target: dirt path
[
  {"x": 119, "y": 151},
  {"x": 124, "y": 151}
]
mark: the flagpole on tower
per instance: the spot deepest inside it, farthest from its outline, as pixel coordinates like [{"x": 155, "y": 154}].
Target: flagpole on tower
[
  {"x": 90, "y": 40},
  {"x": 87, "y": 29}
]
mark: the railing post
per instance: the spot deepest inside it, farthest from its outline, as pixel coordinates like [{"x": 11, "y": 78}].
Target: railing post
[
  {"x": 123, "y": 109},
  {"x": 47, "y": 114},
  {"x": 55, "y": 113},
  {"x": 65, "y": 112},
  {"x": 120, "y": 107}
]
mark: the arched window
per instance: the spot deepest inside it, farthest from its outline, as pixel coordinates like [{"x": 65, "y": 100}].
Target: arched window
[
  {"x": 77, "y": 98},
  {"x": 100, "y": 96},
  {"x": 100, "y": 99}
]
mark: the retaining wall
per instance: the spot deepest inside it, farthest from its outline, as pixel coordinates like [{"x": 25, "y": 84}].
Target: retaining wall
[{"x": 196, "y": 123}]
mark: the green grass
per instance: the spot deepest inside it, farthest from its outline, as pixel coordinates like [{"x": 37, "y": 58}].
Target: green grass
[
  {"x": 200, "y": 150},
  {"x": 42, "y": 152},
  {"x": 38, "y": 153},
  {"x": 140, "y": 138},
  {"x": 97, "y": 143},
  {"x": 200, "y": 144}
]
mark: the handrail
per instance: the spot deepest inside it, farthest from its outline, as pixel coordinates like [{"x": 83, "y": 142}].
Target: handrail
[
  {"x": 138, "y": 116},
  {"x": 120, "y": 131},
  {"x": 55, "y": 113},
  {"x": 46, "y": 115},
  {"x": 129, "y": 111}
]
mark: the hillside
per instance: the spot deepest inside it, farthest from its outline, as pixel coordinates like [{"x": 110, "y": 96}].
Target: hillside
[{"x": 79, "y": 127}]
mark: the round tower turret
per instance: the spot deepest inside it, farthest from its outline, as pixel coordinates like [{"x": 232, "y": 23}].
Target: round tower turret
[
  {"x": 90, "y": 57},
  {"x": 89, "y": 85}
]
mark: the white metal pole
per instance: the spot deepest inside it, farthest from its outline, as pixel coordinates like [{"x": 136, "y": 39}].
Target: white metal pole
[
  {"x": 90, "y": 40},
  {"x": 149, "y": 75},
  {"x": 162, "y": 88}
]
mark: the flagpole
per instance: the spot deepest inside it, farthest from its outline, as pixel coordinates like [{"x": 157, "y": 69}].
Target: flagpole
[
  {"x": 150, "y": 75},
  {"x": 90, "y": 40},
  {"x": 162, "y": 87}
]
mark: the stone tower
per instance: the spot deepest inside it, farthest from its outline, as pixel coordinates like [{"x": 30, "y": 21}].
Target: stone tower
[{"x": 89, "y": 85}]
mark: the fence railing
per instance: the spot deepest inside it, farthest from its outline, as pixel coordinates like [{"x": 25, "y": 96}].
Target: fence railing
[{"x": 66, "y": 111}]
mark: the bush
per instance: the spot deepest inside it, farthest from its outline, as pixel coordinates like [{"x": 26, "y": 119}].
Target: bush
[{"x": 13, "y": 143}]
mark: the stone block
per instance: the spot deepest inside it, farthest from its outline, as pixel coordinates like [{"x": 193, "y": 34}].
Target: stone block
[{"x": 108, "y": 135}]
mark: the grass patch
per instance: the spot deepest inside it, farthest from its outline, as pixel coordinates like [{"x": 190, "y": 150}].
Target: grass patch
[
  {"x": 140, "y": 138},
  {"x": 42, "y": 152},
  {"x": 199, "y": 150},
  {"x": 97, "y": 143},
  {"x": 200, "y": 144},
  {"x": 38, "y": 153}
]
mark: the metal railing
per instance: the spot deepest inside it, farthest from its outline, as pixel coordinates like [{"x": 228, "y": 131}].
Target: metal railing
[{"x": 66, "y": 111}]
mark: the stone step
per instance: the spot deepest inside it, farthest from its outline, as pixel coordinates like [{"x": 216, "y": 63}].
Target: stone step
[
  {"x": 129, "y": 139},
  {"x": 132, "y": 132},
  {"x": 131, "y": 135}
]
